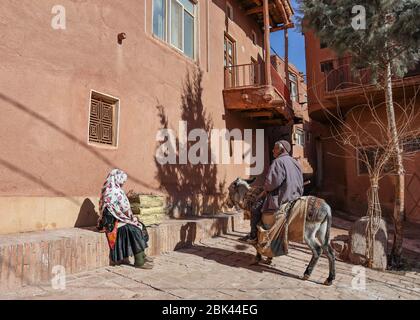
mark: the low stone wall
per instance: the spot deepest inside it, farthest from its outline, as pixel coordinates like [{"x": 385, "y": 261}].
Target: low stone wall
[{"x": 30, "y": 258}]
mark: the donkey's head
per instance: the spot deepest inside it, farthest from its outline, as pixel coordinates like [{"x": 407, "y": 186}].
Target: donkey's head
[{"x": 237, "y": 190}]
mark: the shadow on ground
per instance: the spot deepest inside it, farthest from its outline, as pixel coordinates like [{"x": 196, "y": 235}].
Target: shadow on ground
[{"x": 236, "y": 259}]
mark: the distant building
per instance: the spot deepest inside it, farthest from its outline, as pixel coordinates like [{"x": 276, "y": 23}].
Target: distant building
[{"x": 342, "y": 180}]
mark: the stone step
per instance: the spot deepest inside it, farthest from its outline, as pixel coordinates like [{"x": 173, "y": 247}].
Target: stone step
[{"x": 36, "y": 257}]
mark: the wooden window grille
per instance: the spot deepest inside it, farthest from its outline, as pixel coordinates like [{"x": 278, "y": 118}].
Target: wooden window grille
[{"x": 103, "y": 119}]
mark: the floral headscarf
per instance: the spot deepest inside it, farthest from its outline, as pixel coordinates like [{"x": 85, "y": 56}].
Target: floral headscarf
[{"x": 114, "y": 198}]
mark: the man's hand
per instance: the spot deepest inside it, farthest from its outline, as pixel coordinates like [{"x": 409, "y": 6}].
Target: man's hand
[{"x": 262, "y": 194}]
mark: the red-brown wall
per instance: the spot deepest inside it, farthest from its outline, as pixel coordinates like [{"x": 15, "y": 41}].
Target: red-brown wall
[{"x": 46, "y": 77}]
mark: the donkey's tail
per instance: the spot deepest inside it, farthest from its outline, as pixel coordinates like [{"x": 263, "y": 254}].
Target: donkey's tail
[{"x": 329, "y": 224}]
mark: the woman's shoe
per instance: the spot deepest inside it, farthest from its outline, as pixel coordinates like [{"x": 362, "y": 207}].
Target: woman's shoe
[{"x": 139, "y": 260}]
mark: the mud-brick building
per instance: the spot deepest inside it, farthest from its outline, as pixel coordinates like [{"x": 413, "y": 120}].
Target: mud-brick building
[
  {"x": 340, "y": 178},
  {"x": 85, "y": 87}
]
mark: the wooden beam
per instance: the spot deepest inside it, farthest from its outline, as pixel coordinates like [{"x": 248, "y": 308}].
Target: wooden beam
[
  {"x": 267, "y": 44},
  {"x": 283, "y": 27},
  {"x": 254, "y": 10},
  {"x": 258, "y": 9},
  {"x": 277, "y": 122},
  {"x": 255, "y": 114},
  {"x": 280, "y": 7},
  {"x": 286, "y": 63},
  {"x": 287, "y": 7}
]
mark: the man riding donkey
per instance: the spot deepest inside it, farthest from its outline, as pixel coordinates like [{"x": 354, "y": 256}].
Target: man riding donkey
[
  {"x": 283, "y": 184},
  {"x": 280, "y": 213}
]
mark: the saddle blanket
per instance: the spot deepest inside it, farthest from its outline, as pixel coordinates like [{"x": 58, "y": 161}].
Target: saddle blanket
[{"x": 276, "y": 229}]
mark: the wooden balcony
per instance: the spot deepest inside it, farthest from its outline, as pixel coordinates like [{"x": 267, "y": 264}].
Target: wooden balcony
[
  {"x": 247, "y": 93},
  {"x": 347, "y": 86}
]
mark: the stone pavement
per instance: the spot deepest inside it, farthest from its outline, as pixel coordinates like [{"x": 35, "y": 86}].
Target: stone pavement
[{"x": 219, "y": 268}]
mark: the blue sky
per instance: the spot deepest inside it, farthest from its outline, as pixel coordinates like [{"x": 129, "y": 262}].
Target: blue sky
[{"x": 296, "y": 43}]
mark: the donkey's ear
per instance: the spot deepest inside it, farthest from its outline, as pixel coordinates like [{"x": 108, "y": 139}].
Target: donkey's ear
[{"x": 251, "y": 180}]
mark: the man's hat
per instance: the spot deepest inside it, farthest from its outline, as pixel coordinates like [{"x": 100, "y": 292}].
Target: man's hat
[{"x": 285, "y": 144}]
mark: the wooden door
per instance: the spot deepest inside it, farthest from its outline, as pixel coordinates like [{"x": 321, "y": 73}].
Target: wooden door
[{"x": 230, "y": 62}]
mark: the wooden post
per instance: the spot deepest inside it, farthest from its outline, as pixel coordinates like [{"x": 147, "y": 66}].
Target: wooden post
[
  {"x": 267, "y": 43},
  {"x": 286, "y": 61}
]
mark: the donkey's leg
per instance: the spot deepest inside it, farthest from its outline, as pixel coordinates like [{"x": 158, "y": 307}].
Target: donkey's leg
[
  {"x": 331, "y": 261},
  {"x": 310, "y": 239},
  {"x": 323, "y": 236}
]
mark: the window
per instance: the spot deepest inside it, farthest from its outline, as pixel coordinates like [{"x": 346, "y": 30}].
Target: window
[
  {"x": 293, "y": 87},
  {"x": 254, "y": 38},
  {"x": 322, "y": 45},
  {"x": 174, "y": 22},
  {"x": 230, "y": 61},
  {"x": 229, "y": 11},
  {"x": 372, "y": 154},
  {"x": 327, "y": 66},
  {"x": 411, "y": 145},
  {"x": 103, "y": 119},
  {"x": 159, "y": 18},
  {"x": 299, "y": 137}
]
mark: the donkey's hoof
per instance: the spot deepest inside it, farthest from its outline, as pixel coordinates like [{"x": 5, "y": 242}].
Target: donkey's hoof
[
  {"x": 267, "y": 261},
  {"x": 328, "y": 282},
  {"x": 305, "y": 277}
]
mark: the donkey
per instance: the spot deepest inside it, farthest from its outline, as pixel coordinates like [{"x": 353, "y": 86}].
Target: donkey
[{"x": 316, "y": 233}]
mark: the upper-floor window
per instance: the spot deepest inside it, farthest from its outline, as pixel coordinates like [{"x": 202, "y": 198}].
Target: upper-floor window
[
  {"x": 229, "y": 11},
  {"x": 293, "y": 87},
  {"x": 327, "y": 66},
  {"x": 411, "y": 144},
  {"x": 299, "y": 137},
  {"x": 174, "y": 22}
]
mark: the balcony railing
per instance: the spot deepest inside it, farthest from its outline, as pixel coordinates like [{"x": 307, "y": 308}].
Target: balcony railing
[
  {"x": 253, "y": 74},
  {"x": 343, "y": 76},
  {"x": 244, "y": 75},
  {"x": 279, "y": 84}
]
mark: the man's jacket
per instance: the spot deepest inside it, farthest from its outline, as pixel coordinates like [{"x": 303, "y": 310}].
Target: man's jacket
[{"x": 283, "y": 183}]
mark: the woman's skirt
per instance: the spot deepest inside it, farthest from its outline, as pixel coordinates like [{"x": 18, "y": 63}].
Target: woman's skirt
[
  {"x": 125, "y": 241},
  {"x": 129, "y": 242}
]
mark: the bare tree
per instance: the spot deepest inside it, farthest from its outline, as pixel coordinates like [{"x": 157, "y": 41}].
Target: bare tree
[{"x": 372, "y": 143}]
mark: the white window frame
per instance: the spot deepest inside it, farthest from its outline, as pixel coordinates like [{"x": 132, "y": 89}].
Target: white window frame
[
  {"x": 297, "y": 136},
  {"x": 168, "y": 27},
  {"x": 297, "y": 87},
  {"x": 117, "y": 120}
]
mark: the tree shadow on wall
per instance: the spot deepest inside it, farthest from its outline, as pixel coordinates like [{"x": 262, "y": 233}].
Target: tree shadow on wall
[{"x": 192, "y": 189}]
